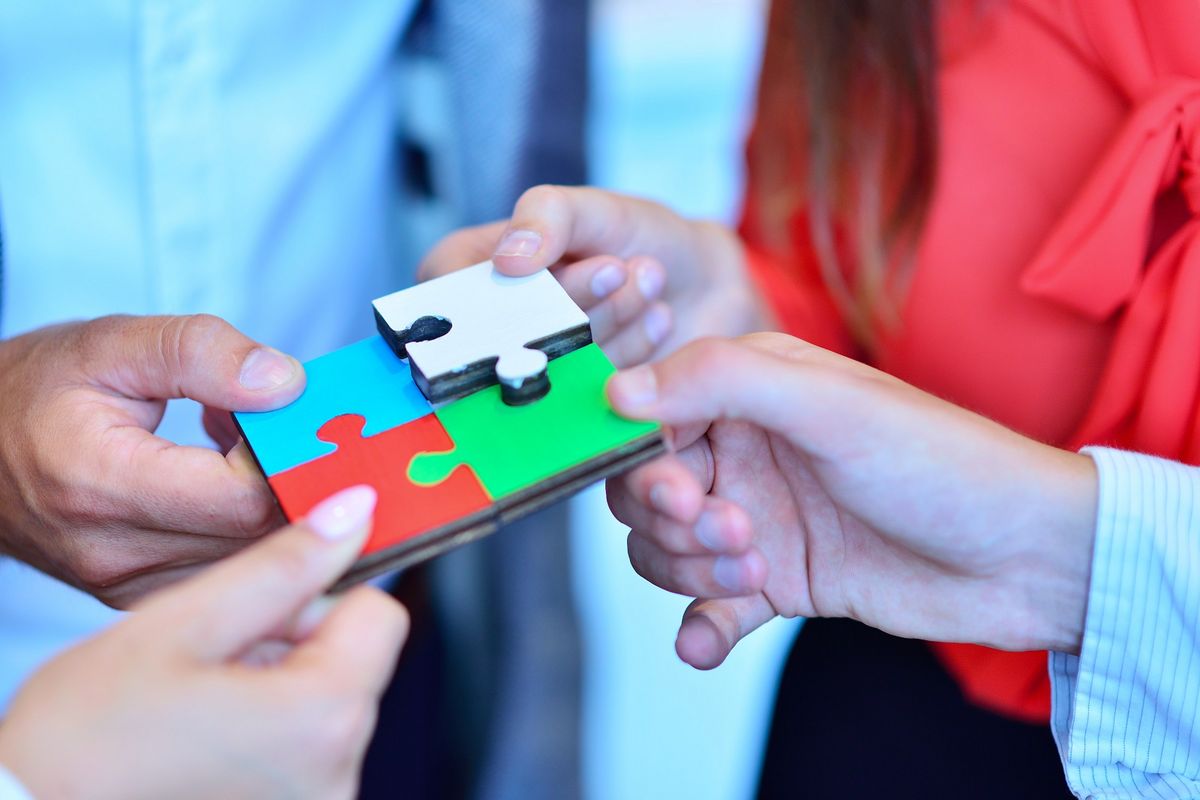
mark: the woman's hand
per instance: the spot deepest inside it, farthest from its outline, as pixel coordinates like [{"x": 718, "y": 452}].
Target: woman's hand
[
  {"x": 649, "y": 279},
  {"x": 240, "y": 682},
  {"x": 806, "y": 484}
]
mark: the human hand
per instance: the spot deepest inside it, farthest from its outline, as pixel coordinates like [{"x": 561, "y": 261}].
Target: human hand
[
  {"x": 240, "y": 682},
  {"x": 87, "y": 493},
  {"x": 649, "y": 279},
  {"x": 807, "y": 484}
]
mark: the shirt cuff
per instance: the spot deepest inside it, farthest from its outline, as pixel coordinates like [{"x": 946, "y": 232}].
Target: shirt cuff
[
  {"x": 1124, "y": 711},
  {"x": 11, "y": 788}
]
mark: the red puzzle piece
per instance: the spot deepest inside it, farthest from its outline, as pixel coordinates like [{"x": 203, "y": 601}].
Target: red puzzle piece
[{"x": 405, "y": 510}]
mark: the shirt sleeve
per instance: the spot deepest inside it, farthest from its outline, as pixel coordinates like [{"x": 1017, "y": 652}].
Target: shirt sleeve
[
  {"x": 11, "y": 788},
  {"x": 1125, "y": 710}
]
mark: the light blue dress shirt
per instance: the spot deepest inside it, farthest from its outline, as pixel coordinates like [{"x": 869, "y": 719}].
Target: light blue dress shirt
[
  {"x": 180, "y": 156},
  {"x": 1126, "y": 711}
]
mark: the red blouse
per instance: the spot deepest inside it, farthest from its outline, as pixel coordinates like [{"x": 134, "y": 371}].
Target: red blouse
[{"x": 1057, "y": 284}]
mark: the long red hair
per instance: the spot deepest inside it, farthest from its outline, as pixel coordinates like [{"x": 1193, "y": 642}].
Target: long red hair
[{"x": 847, "y": 135}]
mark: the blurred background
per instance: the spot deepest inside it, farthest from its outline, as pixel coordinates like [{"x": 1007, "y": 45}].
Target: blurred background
[{"x": 669, "y": 113}]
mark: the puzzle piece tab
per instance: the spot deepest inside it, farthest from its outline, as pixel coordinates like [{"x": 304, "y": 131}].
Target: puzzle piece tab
[
  {"x": 475, "y": 327},
  {"x": 405, "y": 511},
  {"x": 364, "y": 378},
  {"x": 519, "y": 451}
]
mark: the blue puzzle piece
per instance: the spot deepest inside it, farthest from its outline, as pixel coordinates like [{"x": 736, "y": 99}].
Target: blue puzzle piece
[{"x": 364, "y": 378}]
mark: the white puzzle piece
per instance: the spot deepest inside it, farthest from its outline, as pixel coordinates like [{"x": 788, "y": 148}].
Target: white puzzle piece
[{"x": 476, "y": 327}]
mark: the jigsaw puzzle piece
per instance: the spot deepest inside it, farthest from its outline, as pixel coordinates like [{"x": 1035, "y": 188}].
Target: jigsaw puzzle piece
[
  {"x": 519, "y": 452},
  {"x": 475, "y": 327},
  {"x": 364, "y": 378},
  {"x": 405, "y": 511}
]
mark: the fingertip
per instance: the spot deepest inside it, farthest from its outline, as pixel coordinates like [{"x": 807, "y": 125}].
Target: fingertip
[
  {"x": 700, "y": 643},
  {"x": 634, "y": 392}
]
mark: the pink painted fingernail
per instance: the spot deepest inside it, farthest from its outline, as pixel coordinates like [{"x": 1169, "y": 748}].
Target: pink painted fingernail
[
  {"x": 266, "y": 368},
  {"x": 342, "y": 514},
  {"x": 607, "y": 280},
  {"x": 520, "y": 243}
]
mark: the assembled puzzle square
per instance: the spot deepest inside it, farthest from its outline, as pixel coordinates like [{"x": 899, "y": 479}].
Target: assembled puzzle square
[{"x": 450, "y": 472}]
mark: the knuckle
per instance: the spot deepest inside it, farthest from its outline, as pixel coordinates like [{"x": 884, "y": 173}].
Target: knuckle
[
  {"x": 185, "y": 340},
  {"x": 345, "y": 727}
]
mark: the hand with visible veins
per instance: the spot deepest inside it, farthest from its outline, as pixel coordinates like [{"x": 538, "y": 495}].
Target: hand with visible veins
[
  {"x": 649, "y": 279},
  {"x": 240, "y": 682},
  {"x": 807, "y": 484},
  {"x": 88, "y": 493}
]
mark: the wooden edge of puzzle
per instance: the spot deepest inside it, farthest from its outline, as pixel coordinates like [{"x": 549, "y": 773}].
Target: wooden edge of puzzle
[
  {"x": 567, "y": 483},
  {"x": 422, "y": 548}
]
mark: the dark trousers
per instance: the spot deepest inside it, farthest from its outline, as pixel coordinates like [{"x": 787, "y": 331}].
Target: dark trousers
[{"x": 864, "y": 714}]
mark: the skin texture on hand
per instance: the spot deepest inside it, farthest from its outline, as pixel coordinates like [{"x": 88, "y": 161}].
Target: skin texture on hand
[
  {"x": 649, "y": 279},
  {"x": 241, "y": 682},
  {"x": 807, "y": 484},
  {"x": 87, "y": 493}
]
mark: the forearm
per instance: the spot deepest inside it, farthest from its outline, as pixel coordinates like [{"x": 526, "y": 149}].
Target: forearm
[{"x": 1125, "y": 709}]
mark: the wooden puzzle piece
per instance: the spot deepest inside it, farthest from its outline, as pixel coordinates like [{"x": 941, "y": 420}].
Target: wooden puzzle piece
[
  {"x": 535, "y": 452},
  {"x": 408, "y": 516},
  {"x": 364, "y": 378},
  {"x": 475, "y": 327}
]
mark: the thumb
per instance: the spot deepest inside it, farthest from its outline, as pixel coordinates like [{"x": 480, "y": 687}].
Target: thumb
[
  {"x": 712, "y": 628},
  {"x": 550, "y": 223},
  {"x": 226, "y": 609},
  {"x": 712, "y": 379},
  {"x": 200, "y": 356}
]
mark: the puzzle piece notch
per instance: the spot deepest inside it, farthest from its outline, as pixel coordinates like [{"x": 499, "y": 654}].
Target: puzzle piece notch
[
  {"x": 521, "y": 452},
  {"x": 501, "y": 330}
]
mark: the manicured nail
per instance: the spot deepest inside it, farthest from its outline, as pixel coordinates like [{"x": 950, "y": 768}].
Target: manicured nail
[
  {"x": 650, "y": 280},
  {"x": 519, "y": 243},
  {"x": 344, "y": 513},
  {"x": 267, "y": 368},
  {"x": 607, "y": 280},
  {"x": 728, "y": 574},
  {"x": 708, "y": 531},
  {"x": 657, "y": 323},
  {"x": 635, "y": 388}
]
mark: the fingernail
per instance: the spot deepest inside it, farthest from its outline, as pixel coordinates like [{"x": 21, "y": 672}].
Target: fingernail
[
  {"x": 657, "y": 323},
  {"x": 344, "y": 513},
  {"x": 660, "y": 498},
  {"x": 708, "y": 531},
  {"x": 650, "y": 281},
  {"x": 728, "y": 574},
  {"x": 636, "y": 388},
  {"x": 519, "y": 243},
  {"x": 266, "y": 368},
  {"x": 607, "y": 280}
]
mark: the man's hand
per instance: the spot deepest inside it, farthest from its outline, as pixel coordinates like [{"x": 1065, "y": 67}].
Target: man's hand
[
  {"x": 88, "y": 493},
  {"x": 807, "y": 484},
  {"x": 648, "y": 279},
  {"x": 241, "y": 682}
]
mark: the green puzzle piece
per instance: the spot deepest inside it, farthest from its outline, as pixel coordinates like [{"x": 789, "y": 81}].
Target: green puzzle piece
[{"x": 511, "y": 448}]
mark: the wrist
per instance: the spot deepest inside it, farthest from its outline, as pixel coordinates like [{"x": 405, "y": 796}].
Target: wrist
[
  {"x": 1057, "y": 584},
  {"x": 724, "y": 258}
]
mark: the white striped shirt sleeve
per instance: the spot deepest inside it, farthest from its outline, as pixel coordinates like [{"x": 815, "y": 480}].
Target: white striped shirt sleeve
[
  {"x": 11, "y": 788},
  {"x": 1125, "y": 710}
]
